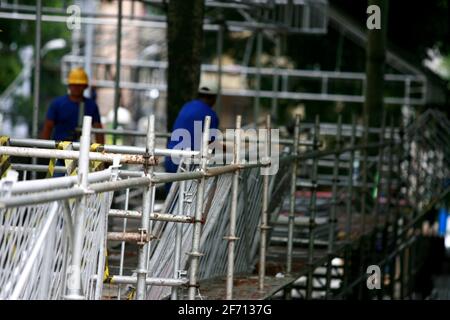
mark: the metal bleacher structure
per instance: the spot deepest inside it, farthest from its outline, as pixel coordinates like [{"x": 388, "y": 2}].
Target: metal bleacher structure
[
  {"x": 224, "y": 231},
  {"x": 282, "y": 218}
]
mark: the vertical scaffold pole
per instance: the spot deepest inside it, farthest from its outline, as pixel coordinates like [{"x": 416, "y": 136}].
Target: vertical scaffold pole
[
  {"x": 220, "y": 34},
  {"x": 364, "y": 194},
  {"x": 312, "y": 211},
  {"x": 388, "y": 223},
  {"x": 117, "y": 93},
  {"x": 416, "y": 212},
  {"x": 195, "y": 253},
  {"x": 122, "y": 245},
  {"x": 264, "y": 213},
  {"x": 410, "y": 136},
  {"x": 364, "y": 172},
  {"x": 37, "y": 76},
  {"x": 379, "y": 183},
  {"x": 259, "y": 43},
  {"x": 147, "y": 198},
  {"x": 390, "y": 170},
  {"x": 333, "y": 220},
  {"x": 234, "y": 201},
  {"x": 37, "y": 69},
  {"x": 74, "y": 283},
  {"x": 349, "y": 207},
  {"x": 397, "y": 271},
  {"x": 275, "y": 79},
  {"x": 292, "y": 196},
  {"x": 178, "y": 238}
]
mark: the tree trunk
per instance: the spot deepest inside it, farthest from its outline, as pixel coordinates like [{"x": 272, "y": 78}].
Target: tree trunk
[
  {"x": 184, "y": 40},
  {"x": 375, "y": 62}
]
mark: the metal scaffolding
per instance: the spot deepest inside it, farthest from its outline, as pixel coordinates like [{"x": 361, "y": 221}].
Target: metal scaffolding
[
  {"x": 265, "y": 19},
  {"x": 56, "y": 242},
  {"x": 342, "y": 192}
]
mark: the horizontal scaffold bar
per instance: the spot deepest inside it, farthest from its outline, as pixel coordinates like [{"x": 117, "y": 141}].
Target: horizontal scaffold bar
[
  {"x": 52, "y": 144},
  {"x": 149, "y": 281},
  {"x": 132, "y": 214},
  {"x": 70, "y": 154}
]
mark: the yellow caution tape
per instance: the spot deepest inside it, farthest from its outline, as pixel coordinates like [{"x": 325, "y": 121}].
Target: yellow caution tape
[
  {"x": 131, "y": 294},
  {"x": 51, "y": 168},
  {"x": 95, "y": 146},
  {"x": 96, "y": 165},
  {"x": 4, "y": 159},
  {"x": 68, "y": 163},
  {"x": 62, "y": 145},
  {"x": 106, "y": 273}
]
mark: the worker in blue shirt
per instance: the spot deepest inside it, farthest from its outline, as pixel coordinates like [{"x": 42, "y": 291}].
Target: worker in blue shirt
[
  {"x": 192, "y": 112},
  {"x": 65, "y": 113}
]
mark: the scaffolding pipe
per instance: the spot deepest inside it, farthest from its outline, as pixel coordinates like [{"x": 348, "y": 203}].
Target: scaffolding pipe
[
  {"x": 195, "y": 253},
  {"x": 123, "y": 243},
  {"x": 42, "y": 197},
  {"x": 264, "y": 212},
  {"x": 390, "y": 170},
  {"x": 275, "y": 80},
  {"x": 35, "y": 167},
  {"x": 349, "y": 202},
  {"x": 233, "y": 211},
  {"x": 102, "y": 263},
  {"x": 57, "y": 183},
  {"x": 52, "y": 144},
  {"x": 117, "y": 93},
  {"x": 134, "y": 133},
  {"x": 74, "y": 284},
  {"x": 149, "y": 281},
  {"x": 312, "y": 213},
  {"x": 349, "y": 208},
  {"x": 132, "y": 214},
  {"x": 332, "y": 222},
  {"x": 379, "y": 171},
  {"x": 147, "y": 197},
  {"x": 387, "y": 223},
  {"x": 37, "y": 68},
  {"x": 37, "y": 75},
  {"x": 398, "y": 199},
  {"x": 72, "y": 155},
  {"x": 178, "y": 237},
  {"x": 220, "y": 34},
  {"x": 364, "y": 176},
  {"x": 137, "y": 237},
  {"x": 152, "y": 21},
  {"x": 259, "y": 40},
  {"x": 293, "y": 186}
]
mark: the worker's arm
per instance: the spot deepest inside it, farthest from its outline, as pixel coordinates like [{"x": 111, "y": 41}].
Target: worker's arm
[
  {"x": 99, "y": 137},
  {"x": 47, "y": 130}
]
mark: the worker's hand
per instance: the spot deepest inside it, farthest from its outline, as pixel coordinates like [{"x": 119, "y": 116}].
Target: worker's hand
[{"x": 99, "y": 137}]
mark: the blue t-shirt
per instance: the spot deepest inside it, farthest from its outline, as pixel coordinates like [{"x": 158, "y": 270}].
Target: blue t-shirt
[
  {"x": 191, "y": 118},
  {"x": 64, "y": 112}
]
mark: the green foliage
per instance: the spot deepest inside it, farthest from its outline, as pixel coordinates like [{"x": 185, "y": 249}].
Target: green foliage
[
  {"x": 17, "y": 34},
  {"x": 446, "y": 65},
  {"x": 10, "y": 66}
]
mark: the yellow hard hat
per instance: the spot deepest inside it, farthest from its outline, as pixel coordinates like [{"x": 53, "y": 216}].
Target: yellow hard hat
[{"x": 77, "y": 76}]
